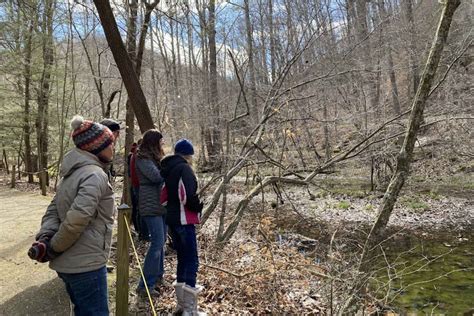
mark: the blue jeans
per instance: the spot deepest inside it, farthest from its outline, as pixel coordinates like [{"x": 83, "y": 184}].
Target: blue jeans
[
  {"x": 184, "y": 240},
  {"x": 153, "y": 269},
  {"x": 88, "y": 292}
]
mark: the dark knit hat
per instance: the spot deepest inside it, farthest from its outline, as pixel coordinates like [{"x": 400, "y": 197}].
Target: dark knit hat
[
  {"x": 184, "y": 147},
  {"x": 113, "y": 125},
  {"x": 90, "y": 136}
]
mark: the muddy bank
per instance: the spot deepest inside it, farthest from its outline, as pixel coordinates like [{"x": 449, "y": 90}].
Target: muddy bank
[
  {"x": 348, "y": 204},
  {"x": 412, "y": 213}
]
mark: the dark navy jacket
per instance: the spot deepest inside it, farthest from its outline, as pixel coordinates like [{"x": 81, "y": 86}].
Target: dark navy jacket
[{"x": 179, "y": 194}]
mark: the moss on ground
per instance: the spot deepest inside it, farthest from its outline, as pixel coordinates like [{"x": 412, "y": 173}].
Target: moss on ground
[
  {"x": 435, "y": 277},
  {"x": 415, "y": 203},
  {"x": 343, "y": 205}
]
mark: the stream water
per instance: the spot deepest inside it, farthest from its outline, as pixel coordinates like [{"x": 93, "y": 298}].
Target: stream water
[
  {"x": 416, "y": 276},
  {"x": 431, "y": 277}
]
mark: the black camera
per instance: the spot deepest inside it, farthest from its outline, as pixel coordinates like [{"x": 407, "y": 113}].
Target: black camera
[{"x": 38, "y": 251}]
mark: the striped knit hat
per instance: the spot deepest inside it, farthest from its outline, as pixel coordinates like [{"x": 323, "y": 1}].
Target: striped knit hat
[{"x": 90, "y": 136}]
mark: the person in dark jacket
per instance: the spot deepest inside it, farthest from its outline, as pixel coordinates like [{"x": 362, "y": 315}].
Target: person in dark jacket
[
  {"x": 184, "y": 208},
  {"x": 115, "y": 127},
  {"x": 138, "y": 224},
  {"x": 153, "y": 213}
]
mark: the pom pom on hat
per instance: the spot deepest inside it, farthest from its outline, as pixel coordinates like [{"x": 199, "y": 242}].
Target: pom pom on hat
[
  {"x": 77, "y": 121},
  {"x": 90, "y": 136}
]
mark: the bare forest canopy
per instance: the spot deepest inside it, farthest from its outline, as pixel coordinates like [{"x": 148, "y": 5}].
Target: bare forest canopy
[{"x": 330, "y": 71}]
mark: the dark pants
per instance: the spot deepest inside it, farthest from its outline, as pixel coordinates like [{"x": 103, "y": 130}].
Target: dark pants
[
  {"x": 184, "y": 241},
  {"x": 88, "y": 292},
  {"x": 138, "y": 222}
]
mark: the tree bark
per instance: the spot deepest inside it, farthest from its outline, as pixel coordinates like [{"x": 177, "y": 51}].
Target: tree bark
[
  {"x": 391, "y": 71},
  {"x": 263, "y": 73},
  {"x": 129, "y": 116},
  {"x": 125, "y": 66},
  {"x": 273, "y": 65},
  {"x": 406, "y": 153},
  {"x": 213, "y": 133},
  {"x": 42, "y": 119},
  {"x": 411, "y": 51},
  {"x": 253, "y": 88},
  {"x": 26, "y": 110}
]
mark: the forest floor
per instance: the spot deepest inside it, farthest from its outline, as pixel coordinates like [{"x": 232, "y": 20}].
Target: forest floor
[
  {"x": 27, "y": 287},
  {"x": 290, "y": 257}
]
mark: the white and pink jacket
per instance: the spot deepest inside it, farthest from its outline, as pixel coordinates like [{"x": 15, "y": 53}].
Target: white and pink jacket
[{"x": 179, "y": 194}]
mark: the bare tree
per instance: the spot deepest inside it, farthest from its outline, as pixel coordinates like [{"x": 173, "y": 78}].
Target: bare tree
[
  {"x": 42, "y": 117},
  {"x": 28, "y": 49},
  {"x": 212, "y": 133},
  {"x": 406, "y": 153},
  {"x": 125, "y": 65}
]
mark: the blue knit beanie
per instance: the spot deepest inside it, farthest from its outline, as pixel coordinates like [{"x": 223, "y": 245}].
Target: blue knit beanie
[{"x": 184, "y": 147}]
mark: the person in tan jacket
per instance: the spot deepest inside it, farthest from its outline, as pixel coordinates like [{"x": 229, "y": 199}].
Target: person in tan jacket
[{"x": 78, "y": 222}]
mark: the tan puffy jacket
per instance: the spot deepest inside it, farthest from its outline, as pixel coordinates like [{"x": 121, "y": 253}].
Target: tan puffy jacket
[{"x": 81, "y": 213}]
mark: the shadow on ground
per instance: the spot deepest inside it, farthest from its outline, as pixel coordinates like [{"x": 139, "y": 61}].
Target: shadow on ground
[{"x": 49, "y": 298}]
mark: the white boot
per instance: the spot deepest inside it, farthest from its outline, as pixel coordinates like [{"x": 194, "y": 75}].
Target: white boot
[
  {"x": 190, "y": 296},
  {"x": 178, "y": 288}
]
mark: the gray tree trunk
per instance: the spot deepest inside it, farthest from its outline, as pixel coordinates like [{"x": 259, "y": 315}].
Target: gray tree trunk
[
  {"x": 411, "y": 51},
  {"x": 27, "y": 92},
  {"x": 406, "y": 153},
  {"x": 273, "y": 65},
  {"x": 213, "y": 133},
  {"x": 42, "y": 119},
  {"x": 253, "y": 88}
]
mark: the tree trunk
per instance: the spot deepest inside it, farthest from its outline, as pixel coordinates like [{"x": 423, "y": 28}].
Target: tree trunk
[
  {"x": 263, "y": 74},
  {"x": 253, "y": 89},
  {"x": 290, "y": 30},
  {"x": 63, "y": 113},
  {"x": 418, "y": 106},
  {"x": 154, "y": 81},
  {"x": 5, "y": 158},
  {"x": 42, "y": 119},
  {"x": 391, "y": 71},
  {"x": 206, "y": 118},
  {"x": 393, "y": 83},
  {"x": 411, "y": 51},
  {"x": 273, "y": 65},
  {"x": 213, "y": 134},
  {"x": 26, "y": 110},
  {"x": 129, "y": 116},
  {"x": 125, "y": 66},
  {"x": 327, "y": 143}
]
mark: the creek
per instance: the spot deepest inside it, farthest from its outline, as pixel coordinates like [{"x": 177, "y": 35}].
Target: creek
[
  {"x": 415, "y": 276},
  {"x": 430, "y": 276}
]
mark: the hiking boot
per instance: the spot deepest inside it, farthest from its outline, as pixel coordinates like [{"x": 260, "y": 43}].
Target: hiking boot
[
  {"x": 161, "y": 283},
  {"x": 178, "y": 288},
  {"x": 190, "y": 301},
  {"x": 141, "y": 292}
]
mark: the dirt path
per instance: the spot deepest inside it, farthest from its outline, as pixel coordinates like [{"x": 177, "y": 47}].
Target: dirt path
[{"x": 26, "y": 287}]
